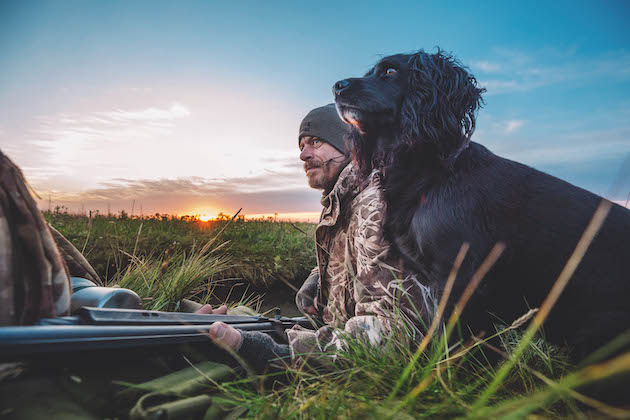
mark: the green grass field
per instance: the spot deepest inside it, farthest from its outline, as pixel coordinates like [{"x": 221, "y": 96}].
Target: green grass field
[{"x": 166, "y": 259}]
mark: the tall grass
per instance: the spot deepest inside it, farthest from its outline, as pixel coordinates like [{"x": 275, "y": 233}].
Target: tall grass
[
  {"x": 442, "y": 380},
  {"x": 443, "y": 377},
  {"x": 164, "y": 281},
  {"x": 439, "y": 385},
  {"x": 263, "y": 253},
  {"x": 445, "y": 381}
]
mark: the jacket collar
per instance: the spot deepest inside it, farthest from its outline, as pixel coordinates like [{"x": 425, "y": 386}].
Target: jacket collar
[{"x": 346, "y": 188}]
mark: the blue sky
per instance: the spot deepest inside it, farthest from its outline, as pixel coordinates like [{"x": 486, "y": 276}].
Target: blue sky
[{"x": 194, "y": 106}]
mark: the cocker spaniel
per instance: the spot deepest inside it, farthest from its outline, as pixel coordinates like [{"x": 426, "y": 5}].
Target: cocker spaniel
[{"x": 413, "y": 116}]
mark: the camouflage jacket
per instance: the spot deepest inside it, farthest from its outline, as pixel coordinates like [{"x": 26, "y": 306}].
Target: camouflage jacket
[{"x": 364, "y": 290}]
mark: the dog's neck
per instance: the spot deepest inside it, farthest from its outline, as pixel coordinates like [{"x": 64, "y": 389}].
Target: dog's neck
[
  {"x": 371, "y": 150},
  {"x": 409, "y": 173},
  {"x": 379, "y": 149}
]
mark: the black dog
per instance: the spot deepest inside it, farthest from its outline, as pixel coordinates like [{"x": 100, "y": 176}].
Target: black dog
[{"x": 413, "y": 116}]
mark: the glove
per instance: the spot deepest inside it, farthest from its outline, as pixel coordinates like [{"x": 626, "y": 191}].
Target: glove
[{"x": 306, "y": 297}]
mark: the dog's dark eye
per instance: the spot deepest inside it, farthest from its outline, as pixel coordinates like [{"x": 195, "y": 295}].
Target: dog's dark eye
[{"x": 391, "y": 71}]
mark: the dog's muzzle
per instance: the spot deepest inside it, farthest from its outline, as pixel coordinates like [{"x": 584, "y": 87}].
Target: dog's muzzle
[{"x": 340, "y": 86}]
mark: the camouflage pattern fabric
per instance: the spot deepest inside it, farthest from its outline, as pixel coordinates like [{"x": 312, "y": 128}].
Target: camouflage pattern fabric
[
  {"x": 365, "y": 292},
  {"x": 77, "y": 265},
  {"x": 34, "y": 281}
]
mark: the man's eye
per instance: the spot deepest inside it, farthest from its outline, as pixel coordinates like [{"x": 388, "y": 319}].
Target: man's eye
[{"x": 391, "y": 71}]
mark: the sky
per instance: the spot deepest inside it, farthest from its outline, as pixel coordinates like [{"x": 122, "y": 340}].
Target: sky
[{"x": 193, "y": 107}]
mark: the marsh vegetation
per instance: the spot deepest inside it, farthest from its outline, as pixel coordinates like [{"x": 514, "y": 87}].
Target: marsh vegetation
[{"x": 165, "y": 259}]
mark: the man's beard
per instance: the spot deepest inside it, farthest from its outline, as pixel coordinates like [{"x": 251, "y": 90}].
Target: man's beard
[
  {"x": 329, "y": 171},
  {"x": 321, "y": 180}
]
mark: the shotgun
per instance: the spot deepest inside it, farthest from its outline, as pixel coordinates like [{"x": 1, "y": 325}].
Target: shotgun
[{"x": 109, "y": 328}]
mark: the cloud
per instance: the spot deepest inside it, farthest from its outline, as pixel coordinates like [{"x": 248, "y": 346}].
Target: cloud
[
  {"x": 555, "y": 155},
  {"x": 592, "y": 146},
  {"x": 594, "y": 159},
  {"x": 513, "y": 125},
  {"x": 597, "y": 139},
  {"x": 485, "y": 66},
  {"x": 193, "y": 186},
  {"x": 69, "y": 139},
  {"x": 499, "y": 127},
  {"x": 150, "y": 114},
  {"x": 75, "y": 149},
  {"x": 495, "y": 87},
  {"x": 516, "y": 71},
  {"x": 271, "y": 192}
]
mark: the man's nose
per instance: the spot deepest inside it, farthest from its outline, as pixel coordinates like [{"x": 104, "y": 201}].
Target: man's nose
[
  {"x": 306, "y": 153},
  {"x": 340, "y": 86}
]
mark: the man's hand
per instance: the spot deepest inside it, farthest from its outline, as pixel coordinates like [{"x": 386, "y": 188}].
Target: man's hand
[
  {"x": 306, "y": 298},
  {"x": 225, "y": 336},
  {"x": 220, "y": 332},
  {"x": 207, "y": 310}
]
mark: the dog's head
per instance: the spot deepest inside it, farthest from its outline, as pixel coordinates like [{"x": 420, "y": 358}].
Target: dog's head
[{"x": 410, "y": 100}]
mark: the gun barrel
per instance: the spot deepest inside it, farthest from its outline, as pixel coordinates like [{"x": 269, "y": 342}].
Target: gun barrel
[
  {"x": 23, "y": 341},
  {"x": 96, "y": 329},
  {"x": 111, "y": 316}
]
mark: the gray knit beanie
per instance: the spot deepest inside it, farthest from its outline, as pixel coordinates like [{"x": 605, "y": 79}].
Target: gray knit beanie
[{"x": 325, "y": 123}]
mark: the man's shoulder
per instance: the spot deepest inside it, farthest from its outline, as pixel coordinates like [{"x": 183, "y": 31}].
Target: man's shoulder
[
  {"x": 348, "y": 180},
  {"x": 353, "y": 196},
  {"x": 370, "y": 192}
]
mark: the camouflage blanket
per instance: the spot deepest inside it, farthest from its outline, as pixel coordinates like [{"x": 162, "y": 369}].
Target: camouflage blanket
[
  {"x": 34, "y": 280},
  {"x": 364, "y": 290}
]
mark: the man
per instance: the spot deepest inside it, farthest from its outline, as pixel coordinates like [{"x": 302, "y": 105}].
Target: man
[
  {"x": 322, "y": 149},
  {"x": 359, "y": 287}
]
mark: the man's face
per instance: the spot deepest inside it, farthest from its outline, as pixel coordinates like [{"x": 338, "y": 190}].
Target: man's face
[{"x": 322, "y": 162}]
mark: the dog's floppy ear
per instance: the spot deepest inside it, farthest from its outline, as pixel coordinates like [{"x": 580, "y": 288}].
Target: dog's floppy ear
[{"x": 440, "y": 104}]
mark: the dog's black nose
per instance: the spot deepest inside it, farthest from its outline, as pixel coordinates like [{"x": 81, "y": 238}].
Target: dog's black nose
[{"x": 340, "y": 85}]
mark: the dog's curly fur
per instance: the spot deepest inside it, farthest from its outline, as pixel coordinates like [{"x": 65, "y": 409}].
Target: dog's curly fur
[{"x": 413, "y": 116}]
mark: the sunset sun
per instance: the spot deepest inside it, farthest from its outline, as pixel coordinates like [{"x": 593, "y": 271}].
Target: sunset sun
[{"x": 205, "y": 217}]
